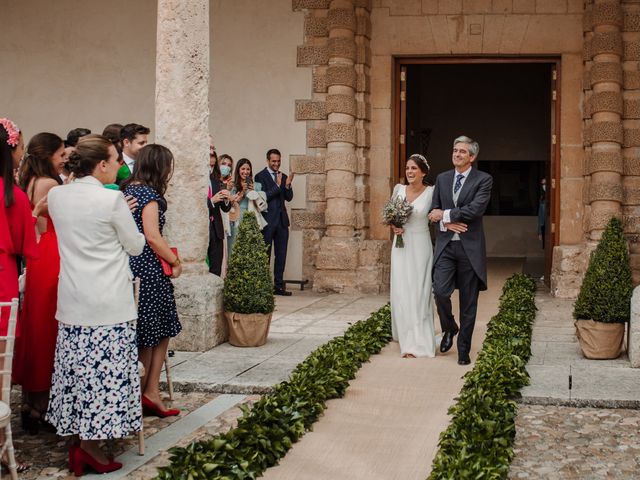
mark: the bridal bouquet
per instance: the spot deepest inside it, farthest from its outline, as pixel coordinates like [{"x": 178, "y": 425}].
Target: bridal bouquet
[{"x": 396, "y": 212}]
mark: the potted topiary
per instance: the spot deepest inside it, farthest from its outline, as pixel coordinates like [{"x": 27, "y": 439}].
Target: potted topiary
[
  {"x": 603, "y": 304},
  {"x": 248, "y": 288}
]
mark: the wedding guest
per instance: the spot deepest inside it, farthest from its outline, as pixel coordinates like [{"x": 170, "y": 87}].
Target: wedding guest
[
  {"x": 133, "y": 137},
  {"x": 74, "y": 135},
  {"x": 35, "y": 347},
  {"x": 17, "y": 233},
  {"x": 226, "y": 167},
  {"x": 242, "y": 183},
  {"x": 277, "y": 186},
  {"x": 157, "y": 314},
  {"x": 95, "y": 392},
  {"x": 217, "y": 203},
  {"x": 112, "y": 133}
]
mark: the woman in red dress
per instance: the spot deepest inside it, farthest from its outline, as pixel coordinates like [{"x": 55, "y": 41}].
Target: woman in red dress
[
  {"x": 35, "y": 347},
  {"x": 17, "y": 233}
]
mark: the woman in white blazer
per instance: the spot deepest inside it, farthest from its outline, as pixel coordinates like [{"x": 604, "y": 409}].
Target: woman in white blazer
[{"x": 95, "y": 390}]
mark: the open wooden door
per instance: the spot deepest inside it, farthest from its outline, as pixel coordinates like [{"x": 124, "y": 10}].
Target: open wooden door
[{"x": 552, "y": 203}]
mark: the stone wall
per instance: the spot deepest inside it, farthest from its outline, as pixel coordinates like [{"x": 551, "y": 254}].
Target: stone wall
[{"x": 335, "y": 223}]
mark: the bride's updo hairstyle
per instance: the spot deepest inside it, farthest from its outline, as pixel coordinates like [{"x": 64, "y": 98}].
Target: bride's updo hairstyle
[
  {"x": 89, "y": 152},
  {"x": 422, "y": 164}
]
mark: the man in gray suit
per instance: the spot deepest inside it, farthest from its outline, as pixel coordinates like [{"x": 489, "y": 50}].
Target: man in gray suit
[{"x": 460, "y": 199}]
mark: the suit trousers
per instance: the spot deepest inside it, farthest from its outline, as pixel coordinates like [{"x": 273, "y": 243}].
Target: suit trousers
[
  {"x": 278, "y": 236},
  {"x": 453, "y": 269}
]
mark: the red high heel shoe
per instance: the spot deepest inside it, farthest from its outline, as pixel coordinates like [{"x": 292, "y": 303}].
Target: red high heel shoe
[
  {"x": 150, "y": 408},
  {"x": 82, "y": 458}
]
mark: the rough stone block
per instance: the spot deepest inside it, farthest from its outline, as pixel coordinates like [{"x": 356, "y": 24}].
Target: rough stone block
[
  {"x": 363, "y": 166},
  {"x": 375, "y": 252},
  {"x": 308, "y": 4},
  {"x": 362, "y": 218},
  {"x": 587, "y": 21},
  {"x": 316, "y": 138},
  {"x": 606, "y": 42},
  {"x": 342, "y": 47},
  {"x": 335, "y": 281},
  {"x": 632, "y": 108},
  {"x": 316, "y": 187},
  {"x": 608, "y": 13},
  {"x": 363, "y": 193},
  {"x": 605, "y": 191},
  {"x": 605, "y": 132},
  {"x": 476, "y": 6},
  {"x": 310, "y": 110},
  {"x": 338, "y": 254},
  {"x": 312, "y": 55},
  {"x": 605, "y": 162},
  {"x": 340, "y": 212},
  {"x": 373, "y": 280},
  {"x": 342, "y": 18},
  {"x": 631, "y": 80},
  {"x": 606, "y": 72},
  {"x": 311, "y": 246},
  {"x": 303, "y": 219},
  {"x": 586, "y": 49},
  {"x": 315, "y": 26},
  {"x": 363, "y": 54},
  {"x": 631, "y": 165},
  {"x": 341, "y": 132},
  {"x": 363, "y": 137},
  {"x": 363, "y": 111},
  {"x": 631, "y": 193},
  {"x": 303, "y": 164},
  {"x": 366, "y": 4},
  {"x": 341, "y": 104},
  {"x": 319, "y": 80},
  {"x": 632, "y": 51},
  {"x": 632, "y": 137},
  {"x": 605, "y": 102},
  {"x": 340, "y": 184},
  {"x": 363, "y": 83},
  {"x": 599, "y": 219},
  {"x": 341, "y": 75},
  {"x": 632, "y": 22},
  {"x": 567, "y": 271},
  {"x": 341, "y": 161}
]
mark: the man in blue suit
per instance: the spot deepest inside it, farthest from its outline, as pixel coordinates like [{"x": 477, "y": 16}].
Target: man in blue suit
[{"x": 277, "y": 186}]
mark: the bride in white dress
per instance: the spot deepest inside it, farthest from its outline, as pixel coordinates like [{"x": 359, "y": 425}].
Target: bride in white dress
[{"x": 411, "y": 295}]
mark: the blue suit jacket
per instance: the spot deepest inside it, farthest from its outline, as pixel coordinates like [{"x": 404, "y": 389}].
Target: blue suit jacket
[{"x": 276, "y": 213}]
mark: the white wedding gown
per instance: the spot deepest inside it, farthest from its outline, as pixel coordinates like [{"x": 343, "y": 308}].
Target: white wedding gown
[{"x": 411, "y": 295}]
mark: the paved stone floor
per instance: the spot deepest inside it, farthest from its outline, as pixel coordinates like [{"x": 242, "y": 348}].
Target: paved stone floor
[{"x": 566, "y": 443}]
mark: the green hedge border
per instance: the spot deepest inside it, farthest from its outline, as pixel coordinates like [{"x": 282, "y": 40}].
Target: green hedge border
[
  {"x": 478, "y": 444},
  {"x": 267, "y": 430}
]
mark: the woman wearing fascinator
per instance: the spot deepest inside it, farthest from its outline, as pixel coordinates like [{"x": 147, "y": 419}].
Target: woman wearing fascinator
[{"x": 411, "y": 295}]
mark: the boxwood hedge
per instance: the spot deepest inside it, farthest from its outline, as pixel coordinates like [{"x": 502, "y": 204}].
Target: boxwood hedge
[
  {"x": 478, "y": 442},
  {"x": 267, "y": 430}
]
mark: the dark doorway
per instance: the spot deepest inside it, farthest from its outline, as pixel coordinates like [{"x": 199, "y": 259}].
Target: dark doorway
[{"x": 507, "y": 106}]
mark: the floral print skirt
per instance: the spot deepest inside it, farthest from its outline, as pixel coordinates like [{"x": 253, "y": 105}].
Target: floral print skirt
[{"x": 95, "y": 391}]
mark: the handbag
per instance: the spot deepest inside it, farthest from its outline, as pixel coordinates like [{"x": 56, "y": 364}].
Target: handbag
[{"x": 167, "y": 268}]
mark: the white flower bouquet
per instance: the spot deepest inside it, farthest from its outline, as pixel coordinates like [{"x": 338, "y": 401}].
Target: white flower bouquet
[{"x": 396, "y": 212}]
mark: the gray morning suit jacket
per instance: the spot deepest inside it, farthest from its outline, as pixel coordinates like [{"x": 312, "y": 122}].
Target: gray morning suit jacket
[{"x": 473, "y": 200}]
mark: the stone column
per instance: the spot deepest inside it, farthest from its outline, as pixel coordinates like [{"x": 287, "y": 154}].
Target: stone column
[
  {"x": 182, "y": 124},
  {"x": 337, "y": 259},
  {"x": 605, "y": 107}
]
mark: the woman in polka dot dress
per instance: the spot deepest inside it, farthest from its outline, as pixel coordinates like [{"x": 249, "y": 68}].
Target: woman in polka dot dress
[{"x": 157, "y": 315}]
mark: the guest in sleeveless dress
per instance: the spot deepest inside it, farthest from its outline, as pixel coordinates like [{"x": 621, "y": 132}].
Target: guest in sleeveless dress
[
  {"x": 243, "y": 182},
  {"x": 17, "y": 232},
  {"x": 157, "y": 313},
  {"x": 35, "y": 347},
  {"x": 411, "y": 294}
]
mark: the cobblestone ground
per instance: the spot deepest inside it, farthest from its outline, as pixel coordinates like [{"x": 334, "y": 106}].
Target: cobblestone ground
[
  {"x": 576, "y": 443},
  {"x": 47, "y": 453}
]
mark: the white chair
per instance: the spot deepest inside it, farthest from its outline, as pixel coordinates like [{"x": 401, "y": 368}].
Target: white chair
[{"x": 5, "y": 399}]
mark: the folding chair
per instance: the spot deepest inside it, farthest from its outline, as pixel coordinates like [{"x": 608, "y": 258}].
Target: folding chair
[{"x": 5, "y": 399}]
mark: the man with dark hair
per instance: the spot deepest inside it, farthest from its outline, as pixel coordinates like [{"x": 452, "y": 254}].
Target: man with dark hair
[
  {"x": 133, "y": 137},
  {"x": 277, "y": 186},
  {"x": 74, "y": 135}
]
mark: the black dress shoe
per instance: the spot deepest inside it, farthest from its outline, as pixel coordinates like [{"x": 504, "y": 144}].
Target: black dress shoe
[
  {"x": 464, "y": 360},
  {"x": 447, "y": 341},
  {"x": 282, "y": 291}
]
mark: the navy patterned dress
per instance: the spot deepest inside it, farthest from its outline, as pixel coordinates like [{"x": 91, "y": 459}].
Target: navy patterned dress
[{"x": 157, "y": 315}]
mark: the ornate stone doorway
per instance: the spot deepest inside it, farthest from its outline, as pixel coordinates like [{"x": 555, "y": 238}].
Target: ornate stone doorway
[{"x": 508, "y": 105}]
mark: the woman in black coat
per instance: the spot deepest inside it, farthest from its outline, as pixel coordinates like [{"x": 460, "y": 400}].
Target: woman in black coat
[{"x": 217, "y": 201}]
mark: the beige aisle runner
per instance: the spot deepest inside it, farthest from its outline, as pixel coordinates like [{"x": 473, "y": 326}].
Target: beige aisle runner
[{"x": 387, "y": 425}]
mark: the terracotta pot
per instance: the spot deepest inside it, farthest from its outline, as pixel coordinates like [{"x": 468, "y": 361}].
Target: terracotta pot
[
  {"x": 248, "y": 329},
  {"x": 600, "y": 341}
]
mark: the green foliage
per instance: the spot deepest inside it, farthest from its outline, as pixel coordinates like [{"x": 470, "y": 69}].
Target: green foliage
[
  {"x": 605, "y": 294},
  {"x": 478, "y": 443},
  {"x": 267, "y": 430},
  {"x": 248, "y": 287}
]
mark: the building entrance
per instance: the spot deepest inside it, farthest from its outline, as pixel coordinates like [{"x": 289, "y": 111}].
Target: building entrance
[{"x": 507, "y": 106}]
